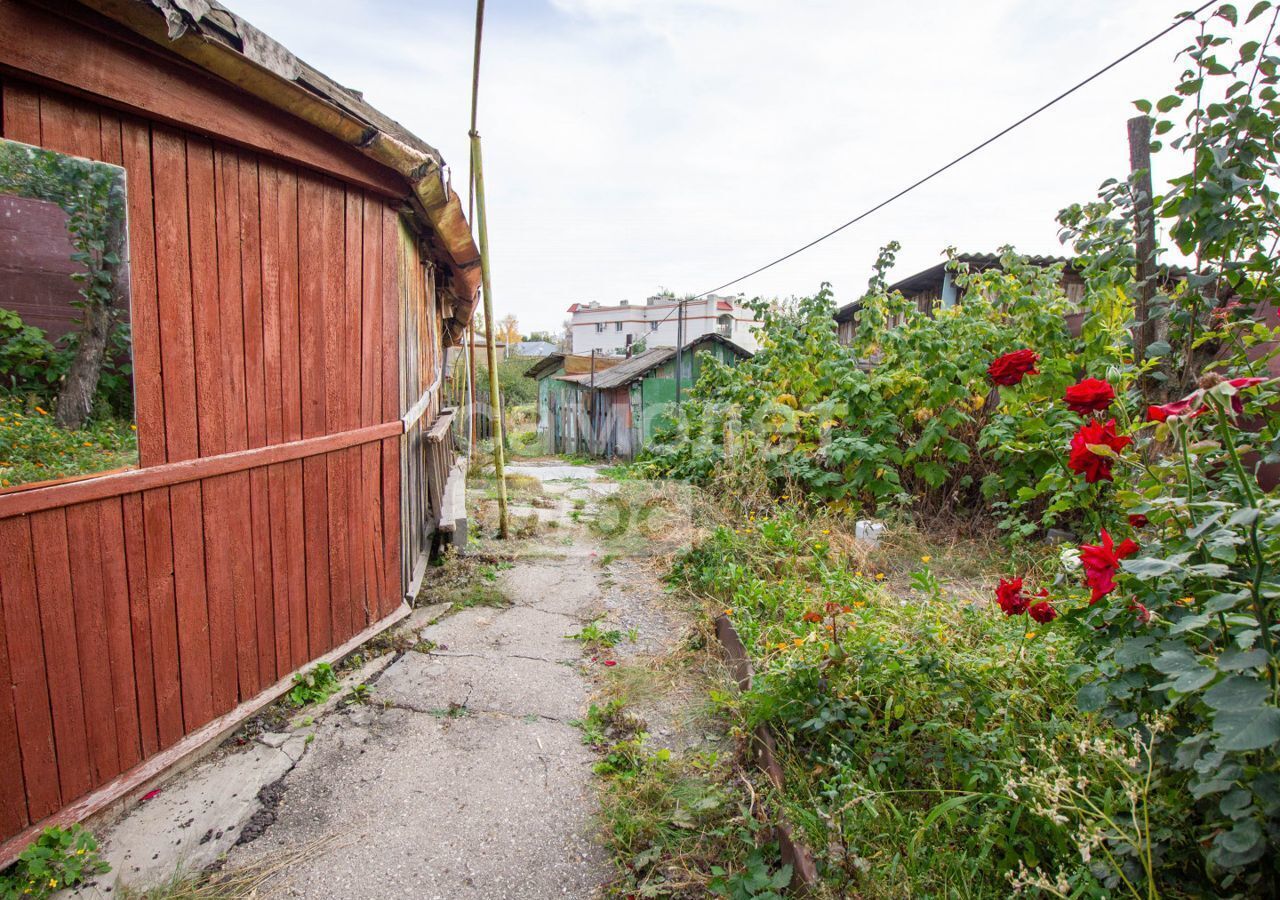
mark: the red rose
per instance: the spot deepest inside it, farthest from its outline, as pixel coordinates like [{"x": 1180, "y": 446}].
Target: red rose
[
  {"x": 1090, "y": 395},
  {"x": 1090, "y": 464},
  {"x": 1042, "y": 612},
  {"x": 1137, "y": 520},
  {"x": 1010, "y": 597},
  {"x": 1101, "y": 562},
  {"x": 1193, "y": 404},
  {"x": 1011, "y": 368}
]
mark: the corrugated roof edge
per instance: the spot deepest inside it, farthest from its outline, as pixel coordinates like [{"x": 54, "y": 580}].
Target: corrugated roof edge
[
  {"x": 217, "y": 40},
  {"x": 640, "y": 365}
]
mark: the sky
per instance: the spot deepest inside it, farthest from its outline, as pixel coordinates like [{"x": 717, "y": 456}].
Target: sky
[{"x": 632, "y": 145}]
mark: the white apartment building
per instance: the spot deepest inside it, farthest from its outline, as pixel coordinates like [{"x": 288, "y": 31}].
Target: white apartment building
[{"x": 611, "y": 329}]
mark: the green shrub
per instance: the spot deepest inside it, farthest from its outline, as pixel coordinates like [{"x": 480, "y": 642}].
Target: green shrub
[{"x": 59, "y": 858}]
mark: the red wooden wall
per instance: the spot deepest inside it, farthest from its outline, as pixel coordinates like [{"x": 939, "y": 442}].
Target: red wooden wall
[{"x": 266, "y": 309}]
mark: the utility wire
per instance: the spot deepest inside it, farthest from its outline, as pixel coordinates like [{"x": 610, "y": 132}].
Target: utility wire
[{"x": 1183, "y": 18}]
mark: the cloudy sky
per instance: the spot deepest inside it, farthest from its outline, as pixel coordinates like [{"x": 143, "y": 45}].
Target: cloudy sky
[{"x": 637, "y": 144}]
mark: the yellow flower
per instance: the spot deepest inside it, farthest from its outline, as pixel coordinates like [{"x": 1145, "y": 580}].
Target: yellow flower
[
  {"x": 784, "y": 496},
  {"x": 135, "y": 427},
  {"x": 879, "y": 576},
  {"x": 1030, "y": 635},
  {"x": 53, "y": 882},
  {"x": 80, "y": 852},
  {"x": 729, "y": 611},
  {"x": 1187, "y": 601},
  {"x": 926, "y": 559},
  {"x": 977, "y": 402},
  {"x": 858, "y": 603},
  {"x": 858, "y": 573},
  {"x": 824, "y": 531},
  {"x": 41, "y": 411},
  {"x": 798, "y": 642}
]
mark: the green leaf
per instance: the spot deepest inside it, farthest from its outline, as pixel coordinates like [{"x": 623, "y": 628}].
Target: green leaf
[
  {"x": 1147, "y": 567},
  {"x": 1238, "y": 692},
  {"x": 1254, "y": 729},
  {"x": 1258, "y": 9},
  {"x": 1189, "y": 682},
  {"x": 1175, "y": 662},
  {"x": 1143, "y": 106},
  {"x": 1164, "y": 104},
  {"x": 1239, "y": 660},
  {"x": 1159, "y": 348}
]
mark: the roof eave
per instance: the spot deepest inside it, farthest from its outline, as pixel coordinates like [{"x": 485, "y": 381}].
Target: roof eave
[{"x": 171, "y": 24}]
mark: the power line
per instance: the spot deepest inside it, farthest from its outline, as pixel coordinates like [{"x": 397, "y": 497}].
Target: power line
[{"x": 1183, "y": 18}]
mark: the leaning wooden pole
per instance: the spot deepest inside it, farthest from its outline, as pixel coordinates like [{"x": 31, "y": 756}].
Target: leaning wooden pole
[{"x": 495, "y": 390}]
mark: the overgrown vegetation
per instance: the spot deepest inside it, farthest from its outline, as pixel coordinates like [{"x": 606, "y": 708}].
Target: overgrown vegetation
[
  {"x": 1107, "y": 723},
  {"x": 59, "y": 858},
  {"x": 315, "y": 685}
]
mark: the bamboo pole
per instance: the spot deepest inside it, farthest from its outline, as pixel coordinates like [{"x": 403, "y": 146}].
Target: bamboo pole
[{"x": 495, "y": 391}]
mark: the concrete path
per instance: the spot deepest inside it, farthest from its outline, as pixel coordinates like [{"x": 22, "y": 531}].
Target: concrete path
[{"x": 461, "y": 776}]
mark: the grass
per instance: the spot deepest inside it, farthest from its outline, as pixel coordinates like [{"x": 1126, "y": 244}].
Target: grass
[
  {"x": 464, "y": 581},
  {"x": 244, "y": 882},
  {"x": 903, "y": 702},
  {"x": 33, "y": 448},
  {"x": 592, "y": 635}
]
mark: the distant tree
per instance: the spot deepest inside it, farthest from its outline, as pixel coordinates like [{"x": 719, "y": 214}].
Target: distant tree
[
  {"x": 508, "y": 330},
  {"x": 546, "y": 336}
]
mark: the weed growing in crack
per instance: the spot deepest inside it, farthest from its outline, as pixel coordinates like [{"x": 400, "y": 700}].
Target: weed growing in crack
[
  {"x": 592, "y": 635},
  {"x": 314, "y": 686}
]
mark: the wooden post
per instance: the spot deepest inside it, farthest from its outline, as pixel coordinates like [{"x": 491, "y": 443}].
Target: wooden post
[
  {"x": 470, "y": 362},
  {"x": 495, "y": 392},
  {"x": 591, "y": 414},
  {"x": 679, "y": 347},
  {"x": 1144, "y": 230}
]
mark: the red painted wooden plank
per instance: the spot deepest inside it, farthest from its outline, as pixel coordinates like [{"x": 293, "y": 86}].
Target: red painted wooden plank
[
  {"x": 148, "y": 392},
  {"x": 192, "y": 603},
  {"x": 177, "y": 345},
  {"x": 371, "y": 401},
  {"x": 173, "y": 276},
  {"x": 13, "y": 794},
  {"x": 274, "y": 273},
  {"x": 140, "y": 622},
  {"x": 291, "y": 406},
  {"x": 27, "y": 671},
  {"x": 312, "y": 369},
  {"x": 393, "y": 584},
  {"x": 235, "y": 416},
  {"x": 336, "y": 379},
  {"x": 144, "y": 79},
  {"x": 21, "y": 112},
  {"x": 255, "y": 400},
  {"x": 221, "y": 546},
  {"x": 115, "y": 596},
  {"x": 219, "y": 518},
  {"x": 156, "y": 516},
  {"x": 69, "y": 126},
  {"x": 62, "y": 667},
  {"x": 358, "y": 613},
  {"x": 84, "y": 542}
]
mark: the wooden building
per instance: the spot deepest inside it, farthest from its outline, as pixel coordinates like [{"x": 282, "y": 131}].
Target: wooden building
[
  {"x": 612, "y": 413},
  {"x": 297, "y": 265},
  {"x": 935, "y": 287}
]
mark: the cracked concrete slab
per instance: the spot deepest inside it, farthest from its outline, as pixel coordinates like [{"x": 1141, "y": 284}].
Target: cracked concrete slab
[
  {"x": 516, "y": 630},
  {"x": 193, "y": 820},
  {"x": 512, "y": 685},
  {"x": 551, "y": 587},
  {"x": 471, "y": 808}
]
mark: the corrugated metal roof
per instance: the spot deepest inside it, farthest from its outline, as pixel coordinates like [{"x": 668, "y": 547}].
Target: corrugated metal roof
[
  {"x": 641, "y": 364},
  {"x": 625, "y": 372}
]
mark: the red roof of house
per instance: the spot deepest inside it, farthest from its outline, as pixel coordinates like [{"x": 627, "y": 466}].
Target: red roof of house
[{"x": 724, "y": 305}]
